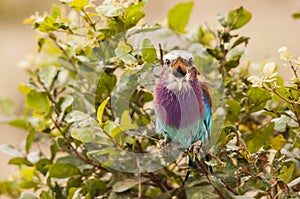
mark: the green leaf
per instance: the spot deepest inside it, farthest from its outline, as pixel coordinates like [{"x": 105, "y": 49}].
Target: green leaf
[
  {"x": 228, "y": 132},
  {"x": 109, "y": 10},
  {"x": 55, "y": 11},
  {"x": 288, "y": 170},
  {"x": 259, "y": 138},
  {"x": 47, "y": 75},
  {"x": 238, "y": 18},
  {"x": 201, "y": 191},
  {"x": 20, "y": 123},
  {"x": 79, "y": 4},
  {"x": 70, "y": 160},
  {"x": 88, "y": 134},
  {"x": 239, "y": 41},
  {"x": 83, "y": 135},
  {"x": 100, "y": 110},
  {"x": 10, "y": 187},
  {"x": 28, "y": 196},
  {"x": 29, "y": 140},
  {"x": 23, "y": 88},
  {"x": 112, "y": 128},
  {"x": 296, "y": 15},
  {"x": 74, "y": 193},
  {"x": 179, "y": 15},
  {"x": 233, "y": 62},
  {"x": 28, "y": 184},
  {"x": 278, "y": 142},
  {"x": 233, "y": 110},
  {"x": 7, "y": 106},
  {"x": 258, "y": 98},
  {"x": 124, "y": 185},
  {"x": 148, "y": 51},
  {"x": 61, "y": 170},
  {"x": 45, "y": 195},
  {"x": 215, "y": 182},
  {"x": 294, "y": 182},
  {"x": 48, "y": 24},
  {"x": 126, "y": 121},
  {"x": 221, "y": 19},
  {"x": 133, "y": 14},
  {"x": 53, "y": 149},
  {"x": 105, "y": 86},
  {"x": 121, "y": 97},
  {"x": 123, "y": 52},
  {"x": 43, "y": 165},
  {"x": 38, "y": 101},
  {"x": 281, "y": 123},
  {"x": 73, "y": 182},
  {"x": 19, "y": 161},
  {"x": 95, "y": 187},
  {"x": 10, "y": 150},
  {"x": 66, "y": 103}
]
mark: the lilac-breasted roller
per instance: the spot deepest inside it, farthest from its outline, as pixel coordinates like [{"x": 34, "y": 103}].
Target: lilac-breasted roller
[{"x": 182, "y": 102}]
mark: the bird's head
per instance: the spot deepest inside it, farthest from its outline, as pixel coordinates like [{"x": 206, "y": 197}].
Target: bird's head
[{"x": 178, "y": 70}]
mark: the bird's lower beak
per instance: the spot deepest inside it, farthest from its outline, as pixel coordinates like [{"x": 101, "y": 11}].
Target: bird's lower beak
[{"x": 179, "y": 68}]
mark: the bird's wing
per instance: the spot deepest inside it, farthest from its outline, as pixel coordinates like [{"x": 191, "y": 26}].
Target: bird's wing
[
  {"x": 205, "y": 88},
  {"x": 208, "y": 105}
]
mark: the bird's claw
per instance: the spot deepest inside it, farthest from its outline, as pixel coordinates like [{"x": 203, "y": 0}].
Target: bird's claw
[
  {"x": 195, "y": 148},
  {"x": 163, "y": 146},
  {"x": 162, "y": 143}
]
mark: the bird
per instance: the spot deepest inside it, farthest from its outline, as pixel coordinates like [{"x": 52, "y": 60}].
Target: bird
[{"x": 183, "y": 104}]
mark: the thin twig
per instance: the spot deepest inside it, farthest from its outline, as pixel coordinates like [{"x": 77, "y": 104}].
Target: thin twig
[
  {"x": 139, "y": 178},
  {"x": 70, "y": 60},
  {"x": 207, "y": 174},
  {"x": 91, "y": 23},
  {"x": 161, "y": 55},
  {"x": 77, "y": 154}
]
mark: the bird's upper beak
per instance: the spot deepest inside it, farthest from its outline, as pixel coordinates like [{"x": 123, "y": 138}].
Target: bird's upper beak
[{"x": 179, "y": 68}]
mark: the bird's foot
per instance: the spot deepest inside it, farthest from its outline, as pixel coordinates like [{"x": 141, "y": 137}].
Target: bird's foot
[
  {"x": 162, "y": 143},
  {"x": 163, "y": 146},
  {"x": 195, "y": 149}
]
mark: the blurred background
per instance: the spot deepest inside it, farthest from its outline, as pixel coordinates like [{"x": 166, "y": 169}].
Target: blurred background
[{"x": 270, "y": 28}]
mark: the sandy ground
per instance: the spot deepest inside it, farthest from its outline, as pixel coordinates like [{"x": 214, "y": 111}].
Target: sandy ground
[{"x": 270, "y": 28}]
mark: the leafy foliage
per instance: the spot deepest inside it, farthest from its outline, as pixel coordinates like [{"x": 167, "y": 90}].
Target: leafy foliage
[{"x": 89, "y": 99}]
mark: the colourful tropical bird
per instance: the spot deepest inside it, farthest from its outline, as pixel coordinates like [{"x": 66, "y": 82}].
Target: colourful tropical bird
[{"x": 182, "y": 103}]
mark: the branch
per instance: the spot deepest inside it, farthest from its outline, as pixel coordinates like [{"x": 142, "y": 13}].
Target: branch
[
  {"x": 210, "y": 177},
  {"x": 70, "y": 60},
  {"x": 74, "y": 150}
]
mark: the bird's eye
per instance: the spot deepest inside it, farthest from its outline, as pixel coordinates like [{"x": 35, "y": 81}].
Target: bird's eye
[
  {"x": 168, "y": 62},
  {"x": 191, "y": 61}
]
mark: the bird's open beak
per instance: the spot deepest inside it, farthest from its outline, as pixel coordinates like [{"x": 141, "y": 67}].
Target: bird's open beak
[{"x": 179, "y": 68}]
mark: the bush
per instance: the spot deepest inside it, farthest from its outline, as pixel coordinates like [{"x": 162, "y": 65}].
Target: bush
[{"x": 89, "y": 103}]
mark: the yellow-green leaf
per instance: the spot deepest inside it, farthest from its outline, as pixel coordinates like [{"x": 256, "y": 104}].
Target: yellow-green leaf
[
  {"x": 238, "y": 18},
  {"x": 179, "y": 15},
  {"x": 38, "y": 101},
  {"x": 278, "y": 142},
  {"x": 61, "y": 170},
  {"x": 126, "y": 121},
  {"x": 7, "y": 106},
  {"x": 148, "y": 51},
  {"x": 233, "y": 109},
  {"x": 101, "y": 110},
  {"x": 79, "y": 4}
]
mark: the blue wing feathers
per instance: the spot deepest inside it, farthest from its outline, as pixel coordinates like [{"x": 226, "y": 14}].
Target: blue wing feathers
[{"x": 207, "y": 117}]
